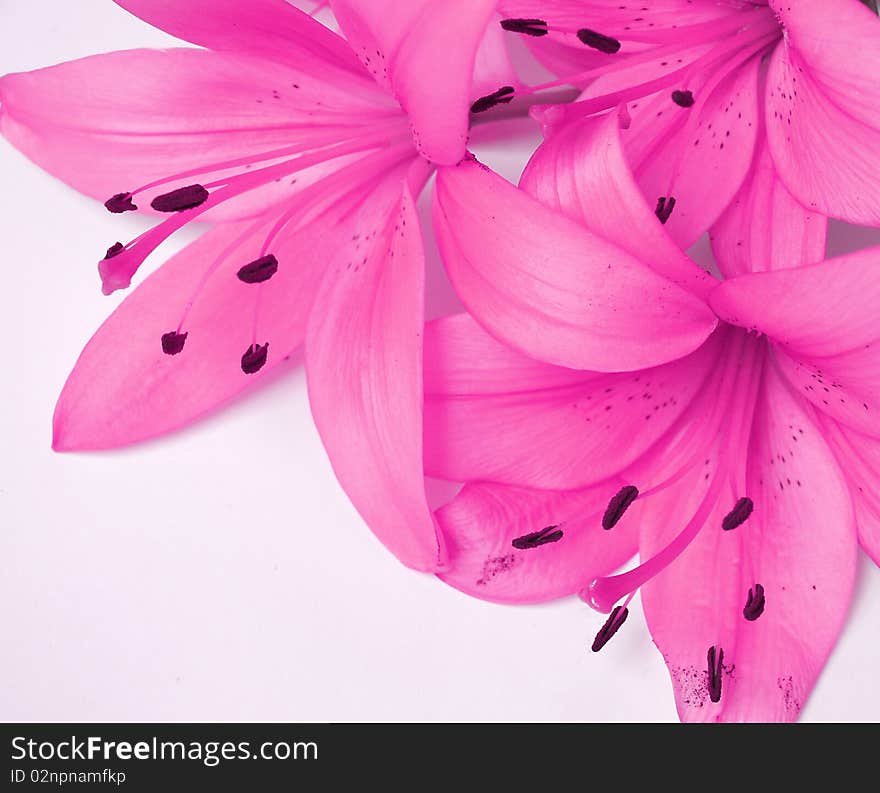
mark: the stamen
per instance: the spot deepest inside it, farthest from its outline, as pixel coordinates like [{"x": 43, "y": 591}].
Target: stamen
[
  {"x": 612, "y": 625},
  {"x": 538, "y": 538},
  {"x": 120, "y": 203},
  {"x": 873, "y": 5},
  {"x": 118, "y": 274},
  {"x": 114, "y": 250},
  {"x": 259, "y": 270},
  {"x": 254, "y": 358},
  {"x": 598, "y": 41},
  {"x": 500, "y": 97},
  {"x": 754, "y": 607},
  {"x": 603, "y": 592},
  {"x": 764, "y": 33},
  {"x": 665, "y": 205},
  {"x": 704, "y": 35},
  {"x": 618, "y": 505},
  {"x": 715, "y": 658},
  {"x": 188, "y": 197},
  {"x": 173, "y": 341},
  {"x": 738, "y": 515},
  {"x": 734, "y": 60},
  {"x": 340, "y": 189},
  {"x": 683, "y": 98},
  {"x": 530, "y": 27}
]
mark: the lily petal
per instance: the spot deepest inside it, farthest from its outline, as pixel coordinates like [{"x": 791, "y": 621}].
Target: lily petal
[
  {"x": 180, "y": 110},
  {"x": 550, "y": 288},
  {"x": 481, "y": 523},
  {"x": 125, "y": 389},
  {"x": 269, "y": 28},
  {"x": 823, "y": 318},
  {"x": 493, "y": 67},
  {"x": 403, "y": 44},
  {"x": 702, "y": 167},
  {"x": 494, "y": 414},
  {"x": 765, "y": 228},
  {"x": 799, "y": 544},
  {"x": 461, "y": 359},
  {"x": 823, "y": 107},
  {"x": 364, "y": 365},
  {"x": 582, "y": 171},
  {"x": 859, "y": 457}
]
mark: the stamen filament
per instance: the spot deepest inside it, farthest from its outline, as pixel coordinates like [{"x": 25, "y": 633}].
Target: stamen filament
[
  {"x": 604, "y": 592},
  {"x": 117, "y": 271},
  {"x": 705, "y": 93},
  {"x": 700, "y": 31},
  {"x": 764, "y": 27},
  {"x": 313, "y": 144},
  {"x": 351, "y": 178}
]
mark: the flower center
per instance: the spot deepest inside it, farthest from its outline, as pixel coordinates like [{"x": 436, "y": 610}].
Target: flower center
[
  {"x": 688, "y": 61},
  {"x": 727, "y": 433},
  {"x": 720, "y": 440}
]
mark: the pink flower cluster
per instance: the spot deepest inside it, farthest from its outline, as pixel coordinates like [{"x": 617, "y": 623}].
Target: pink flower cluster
[{"x": 604, "y": 396}]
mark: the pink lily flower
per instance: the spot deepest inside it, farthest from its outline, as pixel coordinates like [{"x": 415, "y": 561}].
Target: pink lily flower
[
  {"x": 728, "y": 432},
  {"x": 311, "y": 148},
  {"x": 705, "y": 78}
]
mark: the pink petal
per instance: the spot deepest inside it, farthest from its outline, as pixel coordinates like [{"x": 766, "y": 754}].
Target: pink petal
[
  {"x": 765, "y": 228},
  {"x": 823, "y": 319},
  {"x": 493, "y": 414},
  {"x": 364, "y": 364},
  {"x": 482, "y": 521},
  {"x": 702, "y": 168},
  {"x": 799, "y": 544},
  {"x": 823, "y": 107},
  {"x": 859, "y": 457},
  {"x": 582, "y": 172},
  {"x": 178, "y": 110},
  {"x": 550, "y": 288},
  {"x": 424, "y": 51},
  {"x": 461, "y": 359},
  {"x": 269, "y": 28},
  {"x": 701, "y": 165},
  {"x": 493, "y": 67},
  {"x": 125, "y": 389}
]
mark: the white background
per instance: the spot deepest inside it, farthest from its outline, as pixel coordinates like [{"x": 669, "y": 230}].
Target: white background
[{"x": 220, "y": 574}]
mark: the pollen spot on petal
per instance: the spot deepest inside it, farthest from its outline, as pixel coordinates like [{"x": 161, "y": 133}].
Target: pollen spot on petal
[
  {"x": 495, "y": 566},
  {"x": 254, "y": 358},
  {"x": 173, "y": 341}
]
